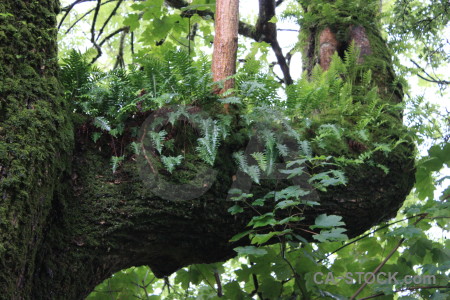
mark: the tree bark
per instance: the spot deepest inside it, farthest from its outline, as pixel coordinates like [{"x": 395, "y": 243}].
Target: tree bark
[
  {"x": 67, "y": 222},
  {"x": 225, "y": 43},
  {"x": 323, "y": 37},
  {"x": 36, "y": 138}
]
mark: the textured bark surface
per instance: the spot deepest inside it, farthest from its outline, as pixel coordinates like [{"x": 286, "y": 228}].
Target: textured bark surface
[
  {"x": 35, "y": 138},
  {"x": 328, "y": 45},
  {"x": 67, "y": 222},
  {"x": 225, "y": 42}
]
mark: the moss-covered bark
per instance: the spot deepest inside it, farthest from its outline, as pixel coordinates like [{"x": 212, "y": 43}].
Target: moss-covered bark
[
  {"x": 67, "y": 222},
  {"x": 35, "y": 137},
  {"x": 356, "y": 21},
  {"x": 115, "y": 221}
]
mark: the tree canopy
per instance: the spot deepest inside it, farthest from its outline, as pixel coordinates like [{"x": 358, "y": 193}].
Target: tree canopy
[{"x": 312, "y": 172}]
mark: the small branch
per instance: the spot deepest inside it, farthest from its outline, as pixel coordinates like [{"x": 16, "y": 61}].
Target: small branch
[
  {"x": 282, "y": 62},
  {"x": 75, "y": 23},
  {"x": 113, "y": 34},
  {"x": 268, "y": 33},
  {"x": 219, "y": 284},
  {"x": 366, "y": 235},
  {"x": 287, "y": 29},
  {"x": 120, "y": 60},
  {"x": 298, "y": 280},
  {"x": 99, "y": 49},
  {"x": 289, "y": 56},
  {"x": 256, "y": 284},
  {"x": 98, "y": 46},
  {"x": 94, "y": 21},
  {"x": 67, "y": 11},
  {"x": 83, "y": 16},
  {"x": 109, "y": 18},
  {"x": 132, "y": 42},
  {"x": 430, "y": 78},
  {"x": 70, "y": 6},
  {"x": 378, "y": 268}
]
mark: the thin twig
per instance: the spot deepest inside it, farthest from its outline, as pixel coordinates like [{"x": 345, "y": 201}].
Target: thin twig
[
  {"x": 219, "y": 283},
  {"x": 109, "y": 18},
  {"x": 99, "y": 52},
  {"x": 84, "y": 15},
  {"x": 366, "y": 235},
  {"x": 430, "y": 78},
  {"x": 378, "y": 268},
  {"x": 120, "y": 60},
  {"x": 94, "y": 21},
  {"x": 67, "y": 11}
]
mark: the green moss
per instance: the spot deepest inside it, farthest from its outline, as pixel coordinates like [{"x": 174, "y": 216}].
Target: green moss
[{"x": 36, "y": 137}]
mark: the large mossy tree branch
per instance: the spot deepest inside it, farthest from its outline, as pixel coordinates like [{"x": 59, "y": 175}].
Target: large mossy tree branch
[{"x": 114, "y": 221}]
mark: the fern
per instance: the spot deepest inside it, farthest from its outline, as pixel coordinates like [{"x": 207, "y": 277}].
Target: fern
[
  {"x": 158, "y": 139},
  {"x": 305, "y": 148},
  {"x": 75, "y": 73},
  {"x": 351, "y": 56},
  {"x": 136, "y": 148},
  {"x": 115, "y": 162},
  {"x": 171, "y": 162},
  {"x": 261, "y": 160},
  {"x": 252, "y": 171},
  {"x": 102, "y": 123},
  {"x": 282, "y": 149},
  {"x": 209, "y": 143}
]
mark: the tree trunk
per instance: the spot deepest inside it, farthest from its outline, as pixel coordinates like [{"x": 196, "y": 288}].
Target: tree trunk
[
  {"x": 67, "y": 222},
  {"x": 323, "y": 37},
  {"x": 36, "y": 139},
  {"x": 225, "y": 43}
]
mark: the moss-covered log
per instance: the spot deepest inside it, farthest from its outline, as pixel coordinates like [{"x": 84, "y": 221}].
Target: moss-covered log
[{"x": 67, "y": 222}]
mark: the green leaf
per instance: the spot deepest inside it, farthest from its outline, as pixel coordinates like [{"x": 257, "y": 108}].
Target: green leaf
[
  {"x": 235, "y": 209},
  {"x": 259, "y": 202},
  {"x": 291, "y": 192},
  {"x": 96, "y": 136},
  {"x": 115, "y": 162},
  {"x": 199, "y": 7},
  {"x": 335, "y": 234},
  {"x": 270, "y": 288},
  {"x": 250, "y": 250},
  {"x": 239, "y": 236},
  {"x": 407, "y": 232},
  {"x": 234, "y": 291},
  {"x": 263, "y": 238},
  {"x": 261, "y": 221},
  {"x": 286, "y": 203},
  {"x": 273, "y": 20},
  {"x": 132, "y": 20},
  {"x": 325, "y": 221}
]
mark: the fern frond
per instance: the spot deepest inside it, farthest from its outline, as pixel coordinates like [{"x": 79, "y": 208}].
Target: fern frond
[
  {"x": 171, "y": 162},
  {"x": 261, "y": 160},
  {"x": 102, "y": 123},
  {"x": 209, "y": 143},
  {"x": 252, "y": 171},
  {"x": 305, "y": 148},
  {"x": 158, "y": 139},
  {"x": 115, "y": 162}
]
